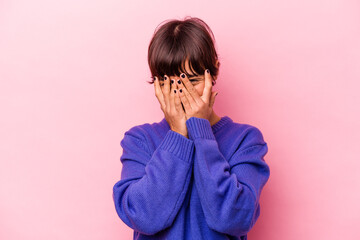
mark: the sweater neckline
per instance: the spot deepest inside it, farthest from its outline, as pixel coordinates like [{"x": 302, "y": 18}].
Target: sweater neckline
[
  {"x": 216, "y": 127},
  {"x": 222, "y": 122}
]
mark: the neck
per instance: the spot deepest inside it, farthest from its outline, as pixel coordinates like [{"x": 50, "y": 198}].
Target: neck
[{"x": 214, "y": 118}]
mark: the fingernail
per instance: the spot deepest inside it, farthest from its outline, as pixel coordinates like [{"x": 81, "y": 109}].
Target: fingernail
[
  {"x": 165, "y": 77},
  {"x": 180, "y": 90},
  {"x": 172, "y": 81},
  {"x": 207, "y": 70},
  {"x": 174, "y": 90},
  {"x": 182, "y": 75},
  {"x": 216, "y": 94},
  {"x": 179, "y": 82}
]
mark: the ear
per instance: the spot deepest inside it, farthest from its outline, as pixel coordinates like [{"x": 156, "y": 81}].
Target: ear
[{"x": 217, "y": 65}]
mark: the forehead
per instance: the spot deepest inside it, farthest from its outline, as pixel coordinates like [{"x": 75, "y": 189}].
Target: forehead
[
  {"x": 189, "y": 72},
  {"x": 187, "y": 67}
]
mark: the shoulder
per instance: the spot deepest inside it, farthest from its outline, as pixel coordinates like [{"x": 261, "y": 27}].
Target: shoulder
[
  {"x": 145, "y": 131},
  {"x": 243, "y": 138},
  {"x": 245, "y": 135},
  {"x": 137, "y": 131}
]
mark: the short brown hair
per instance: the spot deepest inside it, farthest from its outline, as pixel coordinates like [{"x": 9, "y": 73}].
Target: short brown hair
[{"x": 178, "y": 40}]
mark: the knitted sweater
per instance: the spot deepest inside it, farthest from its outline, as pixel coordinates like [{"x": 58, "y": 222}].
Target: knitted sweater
[{"x": 206, "y": 186}]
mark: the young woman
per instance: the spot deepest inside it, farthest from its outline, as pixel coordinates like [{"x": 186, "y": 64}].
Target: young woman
[{"x": 193, "y": 175}]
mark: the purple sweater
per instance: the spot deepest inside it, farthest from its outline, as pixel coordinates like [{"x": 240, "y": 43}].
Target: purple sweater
[{"x": 206, "y": 186}]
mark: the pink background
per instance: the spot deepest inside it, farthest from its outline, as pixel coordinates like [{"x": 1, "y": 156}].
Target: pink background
[{"x": 73, "y": 80}]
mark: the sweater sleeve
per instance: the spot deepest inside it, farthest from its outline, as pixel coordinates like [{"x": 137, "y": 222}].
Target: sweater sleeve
[
  {"x": 152, "y": 187},
  {"x": 229, "y": 191}
]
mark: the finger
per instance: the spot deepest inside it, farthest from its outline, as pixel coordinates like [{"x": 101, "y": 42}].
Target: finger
[
  {"x": 158, "y": 93},
  {"x": 190, "y": 89},
  {"x": 172, "y": 96},
  {"x": 179, "y": 86},
  {"x": 166, "y": 91},
  {"x": 208, "y": 87},
  {"x": 185, "y": 102},
  {"x": 178, "y": 105}
]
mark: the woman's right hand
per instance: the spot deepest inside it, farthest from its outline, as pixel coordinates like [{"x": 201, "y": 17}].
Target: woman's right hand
[{"x": 171, "y": 105}]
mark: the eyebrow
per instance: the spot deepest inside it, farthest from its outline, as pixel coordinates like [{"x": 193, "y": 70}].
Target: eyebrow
[{"x": 191, "y": 75}]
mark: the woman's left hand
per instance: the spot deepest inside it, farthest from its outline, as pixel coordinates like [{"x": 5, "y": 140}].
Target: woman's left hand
[{"x": 194, "y": 104}]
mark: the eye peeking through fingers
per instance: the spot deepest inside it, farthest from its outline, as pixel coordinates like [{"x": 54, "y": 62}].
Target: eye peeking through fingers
[
  {"x": 161, "y": 81},
  {"x": 193, "y": 81}
]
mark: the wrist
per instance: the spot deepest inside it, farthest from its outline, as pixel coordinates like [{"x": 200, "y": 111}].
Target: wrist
[{"x": 180, "y": 132}]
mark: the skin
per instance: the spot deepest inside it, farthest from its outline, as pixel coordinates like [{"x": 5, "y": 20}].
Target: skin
[{"x": 195, "y": 100}]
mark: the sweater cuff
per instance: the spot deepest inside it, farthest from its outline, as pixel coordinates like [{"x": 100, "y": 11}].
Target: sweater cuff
[
  {"x": 177, "y": 144},
  {"x": 199, "y": 128}
]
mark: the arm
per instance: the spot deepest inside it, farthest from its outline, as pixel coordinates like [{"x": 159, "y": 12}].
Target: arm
[
  {"x": 152, "y": 188},
  {"x": 229, "y": 191}
]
